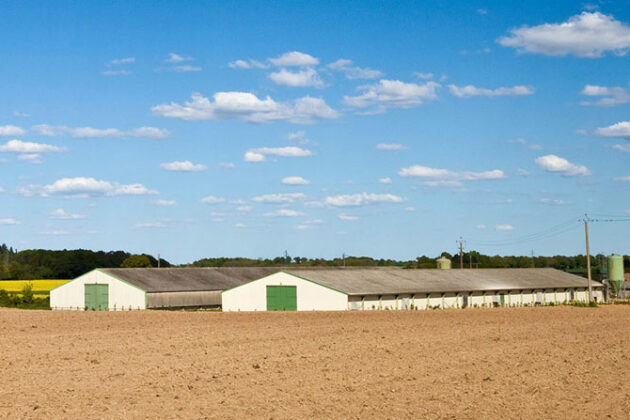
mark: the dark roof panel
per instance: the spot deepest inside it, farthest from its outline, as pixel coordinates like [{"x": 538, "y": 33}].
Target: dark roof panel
[
  {"x": 397, "y": 281},
  {"x": 188, "y": 279}
]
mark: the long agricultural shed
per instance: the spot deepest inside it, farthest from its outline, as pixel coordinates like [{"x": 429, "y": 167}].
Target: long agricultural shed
[{"x": 307, "y": 289}]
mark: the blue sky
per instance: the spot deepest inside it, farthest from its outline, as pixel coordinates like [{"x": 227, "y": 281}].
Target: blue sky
[{"x": 387, "y": 129}]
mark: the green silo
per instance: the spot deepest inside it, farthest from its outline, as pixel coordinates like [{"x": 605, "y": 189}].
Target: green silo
[
  {"x": 615, "y": 272},
  {"x": 443, "y": 263}
]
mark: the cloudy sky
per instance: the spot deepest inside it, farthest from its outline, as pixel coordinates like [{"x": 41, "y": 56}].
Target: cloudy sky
[{"x": 387, "y": 129}]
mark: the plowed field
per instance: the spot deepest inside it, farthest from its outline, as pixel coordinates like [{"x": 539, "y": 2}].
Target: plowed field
[{"x": 552, "y": 362}]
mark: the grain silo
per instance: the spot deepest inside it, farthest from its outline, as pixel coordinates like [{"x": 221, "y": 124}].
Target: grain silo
[{"x": 615, "y": 272}]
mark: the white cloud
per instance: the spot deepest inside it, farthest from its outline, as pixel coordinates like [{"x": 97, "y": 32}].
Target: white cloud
[
  {"x": 149, "y": 225},
  {"x": 386, "y": 180},
  {"x": 409, "y": 208},
  {"x": 553, "y": 201},
  {"x": 390, "y": 146},
  {"x": 354, "y": 200},
  {"x": 481, "y": 226},
  {"x": 284, "y": 213},
  {"x": 82, "y": 186},
  {"x": 531, "y": 146},
  {"x": 175, "y": 58},
  {"x": 247, "y": 64},
  {"x": 352, "y": 72},
  {"x": 424, "y": 76},
  {"x": 90, "y": 132},
  {"x": 314, "y": 204},
  {"x": 622, "y": 178},
  {"x": 226, "y": 165},
  {"x": 585, "y": 35},
  {"x": 21, "y": 114},
  {"x": 617, "y": 130},
  {"x": 504, "y": 227},
  {"x": 347, "y": 217},
  {"x": 482, "y": 12},
  {"x": 522, "y": 172},
  {"x": 54, "y": 232},
  {"x": 240, "y": 225},
  {"x": 11, "y": 130},
  {"x": 29, "y": 151},
  {"x": 18, "y": 146},
  {"x": 126, "y": 60},
  {"x": 309, "y": 224},
  {"x": 470, "y": 90},
  {"x": 239, "y": 64},
  {"x": 260, "y": 154},
  {"x": 9, "y": 221},
  {"x": 1, "y": 190},
  {"x": 303, "y": 78},
  {"x": 621, "y": 147},
  {"x": 392, "y": 94},
  {"x": 444, "y": 177},
  {"x": 279, "y": 198},
  {"x": 610, "y": 96},
  {"x": 164, "y": 203},
  {"x": 553, "y": 163},
  {"x": 33, "y": 158},
  {"x": 183, "y": 166},
  {"x": 116, "y": 72},
  {"x": 295, "y": 180},
  {"x": 294, "y": 59},
  {"x": 212, "y": 200},
  {"x": 244, "y": 209},
  {"x": 248, "y": 107},
  {"x": 186, "y": 68},
  {"x": 63, "y": 215}
]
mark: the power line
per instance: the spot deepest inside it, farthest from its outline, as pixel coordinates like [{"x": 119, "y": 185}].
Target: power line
[{"x": 551, "y": 232}]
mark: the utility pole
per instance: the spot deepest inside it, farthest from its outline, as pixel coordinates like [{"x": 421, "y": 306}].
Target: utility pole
[
  {"x": 533, "y": 263},
  {"x": 588, "y": 260},
  {"x": 461, "y": 253},
  {"x": 470, "y": 258},
  {"x": 344, "y": 259},
  {"x": 158, "y": 260}
]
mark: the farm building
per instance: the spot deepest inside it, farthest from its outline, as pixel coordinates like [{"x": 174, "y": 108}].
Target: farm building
[{"x": 306, "y": 289}]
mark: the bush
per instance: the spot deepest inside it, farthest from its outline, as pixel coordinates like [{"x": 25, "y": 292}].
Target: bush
[{"x": 27, "y": 293}]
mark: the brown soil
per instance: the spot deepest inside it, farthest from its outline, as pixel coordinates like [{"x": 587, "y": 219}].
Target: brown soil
[{"x": 557, "y": 362}]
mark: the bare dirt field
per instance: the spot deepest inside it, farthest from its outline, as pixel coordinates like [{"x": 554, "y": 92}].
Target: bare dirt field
[{"x": 554, "y": 362}]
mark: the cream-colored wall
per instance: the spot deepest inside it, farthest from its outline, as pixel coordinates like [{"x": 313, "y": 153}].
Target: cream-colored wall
[
  {"x": 122, "y": 296},
  {"x": 252, "y": 296}
]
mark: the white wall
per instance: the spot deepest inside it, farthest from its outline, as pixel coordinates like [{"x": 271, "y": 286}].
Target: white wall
[
  {"x": 122, "y": 296},
  {"x": 252, "y": 296}
]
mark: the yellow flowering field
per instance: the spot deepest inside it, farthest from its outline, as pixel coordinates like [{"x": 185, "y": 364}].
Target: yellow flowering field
[{"x": 40, "y": 287}]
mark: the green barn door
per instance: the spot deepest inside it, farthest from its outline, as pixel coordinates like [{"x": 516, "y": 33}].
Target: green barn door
[
  {"x": 96, "y": 297},
  {"x": 281, "y": 298}
]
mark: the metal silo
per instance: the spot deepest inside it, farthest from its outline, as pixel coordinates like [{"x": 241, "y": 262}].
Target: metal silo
[
  {"x": 615, "y": 272},
  {"x": 444, "y": 263}
]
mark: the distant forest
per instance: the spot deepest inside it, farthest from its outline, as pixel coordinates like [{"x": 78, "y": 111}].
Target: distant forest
[{"x": 68, "y": 264}]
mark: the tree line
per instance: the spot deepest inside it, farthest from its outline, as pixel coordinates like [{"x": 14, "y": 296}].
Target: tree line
[{"x": 68, "y": 264}]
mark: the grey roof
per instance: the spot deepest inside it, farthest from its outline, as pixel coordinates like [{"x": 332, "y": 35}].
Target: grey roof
[
  {"x": 354, "y": 280},
  {"x": 188, "y": 279},
  {"x": 398, "y": 281}
]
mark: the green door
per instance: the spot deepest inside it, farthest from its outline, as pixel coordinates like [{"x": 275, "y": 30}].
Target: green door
[
  {"x": 281, "y": 298},
  {"x": 502, "y": 299},
  {"x": 96, "y": 297}
]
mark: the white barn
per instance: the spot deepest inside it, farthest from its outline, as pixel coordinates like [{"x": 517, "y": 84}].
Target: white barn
[{"x": 323, "y": 289}]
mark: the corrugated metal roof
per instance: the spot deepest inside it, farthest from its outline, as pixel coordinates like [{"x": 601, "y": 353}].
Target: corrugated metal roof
[
  {"x": 355, "y": 280},
  {"x": 189, "y": 279},
  {"x": 397, "y": 281}
]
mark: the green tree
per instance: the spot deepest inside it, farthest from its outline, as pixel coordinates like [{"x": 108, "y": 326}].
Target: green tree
[{"x": 135, "y": 261}]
